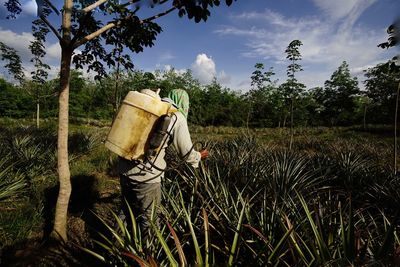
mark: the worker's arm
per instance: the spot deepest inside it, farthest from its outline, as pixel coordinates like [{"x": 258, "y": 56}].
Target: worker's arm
[{"x": 183, "y": 143}]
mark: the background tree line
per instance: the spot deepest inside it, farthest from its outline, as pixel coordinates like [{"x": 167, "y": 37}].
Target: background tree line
[{"x": 266, "y": 104}]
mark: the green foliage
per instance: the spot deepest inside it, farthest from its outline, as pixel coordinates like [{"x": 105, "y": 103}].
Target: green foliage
[
  {"x": 28, "y": 173},
  {"x": 38, "y": 50},
  {"x": 14, "y": 102},
  {"x": 11, "y": 184},
  {"x": 18, "y": 221},
  {"x": 293, "y": 55},
  {"x": 381, "y": 86},
  {"x": 266, "y": 104},
  {"x": 259, "y": 78},
  {"x": 263, "y": 102},
  {"x": 291, "y": 89},
  {"x": 128, "y": 33},
  {"x": 80, "y": 95},
  {"x": 394, "y": 35},
  {"x": 338, "y": 97},
  {"x": 332, "y": 199},
  {"x": 13, "y": 64},
  {"x": 261, "y": 204}
]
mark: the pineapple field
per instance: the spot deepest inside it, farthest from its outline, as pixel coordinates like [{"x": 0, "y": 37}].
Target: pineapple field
[{"x": 329, "y": 197}]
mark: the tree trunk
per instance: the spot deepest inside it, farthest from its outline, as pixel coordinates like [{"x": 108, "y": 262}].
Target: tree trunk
[
  {"x": 291, "y": 123},
  {"x": 37, "y": 114},
  {"x": 36, "y": 87},
  {"x": 284, "y": 120},
  {"x": 60, "y": 220},
  {"x": 395, "y": 130},
  {"x": 116, "y": 90},
  {"x": 365, "y": 118},
  {"x": 248, "y": 118}
]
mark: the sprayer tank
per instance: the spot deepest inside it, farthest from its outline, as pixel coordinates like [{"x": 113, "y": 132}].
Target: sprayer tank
[{"x": 134, "y": 122}]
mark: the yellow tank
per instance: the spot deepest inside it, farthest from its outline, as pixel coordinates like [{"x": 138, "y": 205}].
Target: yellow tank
[{"x": 134, "y": 122}]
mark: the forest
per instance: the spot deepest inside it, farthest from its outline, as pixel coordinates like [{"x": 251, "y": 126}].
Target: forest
[{"x": 267, "y": 103}]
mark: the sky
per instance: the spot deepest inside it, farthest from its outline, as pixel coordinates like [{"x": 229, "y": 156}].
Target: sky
[{"x": 235, "y": 38}]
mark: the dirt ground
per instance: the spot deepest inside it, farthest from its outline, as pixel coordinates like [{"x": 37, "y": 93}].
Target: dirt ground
[{"x": 39, "y": 250}]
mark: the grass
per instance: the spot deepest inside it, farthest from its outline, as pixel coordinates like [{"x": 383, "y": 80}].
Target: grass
[{"x": 330, "y": 200}]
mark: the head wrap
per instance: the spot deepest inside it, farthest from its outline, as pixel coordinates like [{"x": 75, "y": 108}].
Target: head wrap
[{"x": 181, "y": 99}]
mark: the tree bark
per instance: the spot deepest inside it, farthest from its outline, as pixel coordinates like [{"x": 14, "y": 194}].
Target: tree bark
[
  {"x": 60, "y": 220},
  {"x": 284, "y": 120},
  {"x": 395, "y": 130},
  {"x": 36, "y": 90},
  {"x": 365, "y": 118},
  {"x": 291, "y": 123},
  {"x": 116, "y": 90},
  {"x": 37, "y": 114}
]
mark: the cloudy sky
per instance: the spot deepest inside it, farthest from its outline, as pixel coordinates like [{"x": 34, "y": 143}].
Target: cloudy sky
[{"x": 233, "y": 39}]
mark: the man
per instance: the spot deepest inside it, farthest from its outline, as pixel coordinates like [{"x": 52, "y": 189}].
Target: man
[{"x": 141, "y": 181}]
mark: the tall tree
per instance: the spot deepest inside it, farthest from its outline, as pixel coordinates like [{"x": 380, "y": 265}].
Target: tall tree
[
  {"x": 394, "y": 39},
  {"x": 292, "y": 88},
  {"x": 259, "y": 77},
  {"x": 83, "y": 25},
  {"x": 380, "y": 87},
  {"x": 39, "y": 74},
  {"x": 260, "y": 108},
  {"x": 340, "y": 93},
  {"x": 362, "y": 104}
]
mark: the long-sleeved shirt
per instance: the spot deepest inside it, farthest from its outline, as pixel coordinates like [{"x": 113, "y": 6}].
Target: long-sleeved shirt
[{"x": 144, "y": 172}]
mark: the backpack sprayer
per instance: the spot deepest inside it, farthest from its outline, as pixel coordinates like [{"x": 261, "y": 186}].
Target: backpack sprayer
[{"x": 141, "y": 126}]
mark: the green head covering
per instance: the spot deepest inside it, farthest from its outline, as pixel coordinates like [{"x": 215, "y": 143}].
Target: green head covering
[{"x": 181, "y": 100}]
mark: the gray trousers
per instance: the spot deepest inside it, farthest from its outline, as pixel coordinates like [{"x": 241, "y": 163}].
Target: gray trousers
[{"x": 140, "y": 197}]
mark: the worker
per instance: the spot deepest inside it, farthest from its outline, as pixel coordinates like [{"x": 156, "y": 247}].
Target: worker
[{"x": 141, "y": 181}]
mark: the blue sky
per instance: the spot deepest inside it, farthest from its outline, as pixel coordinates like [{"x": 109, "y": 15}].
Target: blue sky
[{"x": 234, "y": 38}]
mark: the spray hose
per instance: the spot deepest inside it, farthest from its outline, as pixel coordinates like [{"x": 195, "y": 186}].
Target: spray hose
[
  {"x": 181, "y": 162},
  {"x": 183, "y": 158}
]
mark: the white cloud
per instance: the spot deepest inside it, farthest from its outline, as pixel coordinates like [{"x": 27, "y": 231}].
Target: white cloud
[
  {"x": 343, "y": 8},
  {"x": 326, "y": 44},
  {"x": 52, "y": 72},
  {"x": 53, "y": 51},
  {"x": 166, "y": 56},
  {"x": 204, "y": 68},
  {"x": 29, "y": 7},
  {"x": 21, "y": 41}
]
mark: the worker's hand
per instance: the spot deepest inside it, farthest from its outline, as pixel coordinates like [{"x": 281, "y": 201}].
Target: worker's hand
[{"x": 204, "y": 153}]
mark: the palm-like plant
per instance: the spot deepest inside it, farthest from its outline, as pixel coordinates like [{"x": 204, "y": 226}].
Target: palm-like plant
[
  {"x": 257, "y": 204},
  {"x": 11, "y": 184}
]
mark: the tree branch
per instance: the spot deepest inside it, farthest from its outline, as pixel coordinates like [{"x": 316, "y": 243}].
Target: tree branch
[
  {"x": 95, "y": 34},
  {"x": 57, "y": 34},
  {"x": 100, "y": 2},
  {"x": 114, "y": 24},
  {"x": 93, "y": 6},
  {"x": 52, "y": 7},
  {"x": 158, "y": 15}
]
